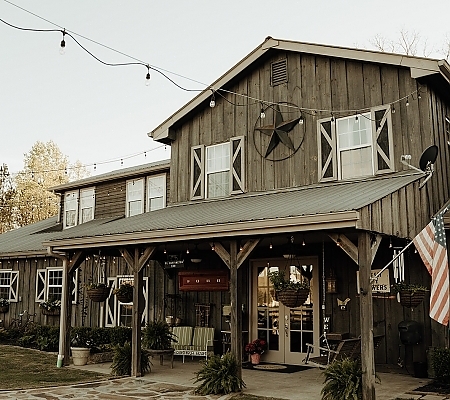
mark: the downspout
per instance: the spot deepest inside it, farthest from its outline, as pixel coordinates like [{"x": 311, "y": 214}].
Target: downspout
[{"x": 63, "y": 352}]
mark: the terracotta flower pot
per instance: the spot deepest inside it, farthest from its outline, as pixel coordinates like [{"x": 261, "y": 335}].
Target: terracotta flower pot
[
  {"x": 255, "y": 358},
  {"x": 80, "y": 355}
]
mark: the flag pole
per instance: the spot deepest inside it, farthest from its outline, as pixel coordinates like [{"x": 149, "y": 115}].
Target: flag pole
[{"x": 444, "y": 208}]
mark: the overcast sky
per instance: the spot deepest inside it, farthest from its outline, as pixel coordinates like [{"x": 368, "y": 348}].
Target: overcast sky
[{"x": 96, "y": 113}]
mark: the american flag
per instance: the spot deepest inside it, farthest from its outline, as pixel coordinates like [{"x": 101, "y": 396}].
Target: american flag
[{"x": 432, "y": 247}]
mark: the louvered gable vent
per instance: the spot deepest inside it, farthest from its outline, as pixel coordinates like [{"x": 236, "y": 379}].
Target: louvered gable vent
[{"x": 278, "y": 72}]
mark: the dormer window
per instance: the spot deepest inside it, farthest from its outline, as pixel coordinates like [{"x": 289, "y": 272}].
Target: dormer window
[
  {"x": 156, "y": 192},
  {"x": 147, "y": 194},
  {"x": 79, "y": 206},
  {"x": 218, "y": 170},
  {"x": 356, "y": 146},
  {"x": 135, "y": 197}
]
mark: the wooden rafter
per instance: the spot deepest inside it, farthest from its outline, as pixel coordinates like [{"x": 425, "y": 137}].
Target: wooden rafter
[{"x": 345, "y": 244}]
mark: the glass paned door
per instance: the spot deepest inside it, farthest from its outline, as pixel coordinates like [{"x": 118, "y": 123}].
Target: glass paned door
[{"x": 286, "y": 330}]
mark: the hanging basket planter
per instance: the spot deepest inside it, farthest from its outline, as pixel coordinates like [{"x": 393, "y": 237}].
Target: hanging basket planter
[
  {"x": 53, "y": 313},
  {"x": 4, "y": 309},
  {"x": 124, "y": 292},
  {"x": 98, "y": 295},
  {"x": 293, "y": 298},
  {"x": 412, "y": 298},
  {"x": 125, "y": 298}
]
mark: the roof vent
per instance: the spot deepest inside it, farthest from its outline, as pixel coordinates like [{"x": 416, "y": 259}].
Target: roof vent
[{"x": 278, "y": 72}]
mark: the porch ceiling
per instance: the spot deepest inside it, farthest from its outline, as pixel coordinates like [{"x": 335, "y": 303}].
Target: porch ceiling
[{"x": 316, "y": 207}]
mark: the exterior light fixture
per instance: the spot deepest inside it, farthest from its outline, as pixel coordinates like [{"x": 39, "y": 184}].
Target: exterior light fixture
[
  {"x": 147, "y": 77},
  {"x": 62, "y": 49}
]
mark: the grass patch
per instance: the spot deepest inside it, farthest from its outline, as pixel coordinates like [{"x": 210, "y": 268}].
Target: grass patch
[{"x": 22, "y": 368}]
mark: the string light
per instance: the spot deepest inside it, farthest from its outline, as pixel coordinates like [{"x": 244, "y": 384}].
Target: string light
[
  {"x": 407, "y": 102},
  {"x": 62, "y": 49},
  {"x": 301, "y": 121},
  {"x": 213, "y": 247},
  {"x": 147, "y": 77},
  {"x": 212, "y": 102}
]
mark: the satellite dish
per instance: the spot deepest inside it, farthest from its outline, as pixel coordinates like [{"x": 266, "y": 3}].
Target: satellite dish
[
  {"x": 426, "y": 163},
  {"x": 428, "y": 158}
]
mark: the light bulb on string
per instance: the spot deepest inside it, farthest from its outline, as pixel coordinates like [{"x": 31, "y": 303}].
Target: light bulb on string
[
  {"x": 147, "y": 77},
  {"x": 392, "y": 109},
  {"x": 301, "y": 120},
  {"x": 356, "y": 118},
  {"x": 212, "y": 102},
  {"x": 407, "y": 102},
  {"x": 262, "y": 114},
  {"x": 62, "y": 48}
]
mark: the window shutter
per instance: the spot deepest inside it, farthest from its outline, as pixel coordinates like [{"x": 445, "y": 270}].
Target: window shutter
[
  {"x": 237, "y": 167},
  {"x": 382, "y": 139},
  {"x": 41, "y": 284},
  {"x": 144, "y": 319},
  {"x": 74, "y": 294},
  {"x": 14, "y": 287},
  {"x": 111, "y": 304},
  {"x": 197, "y": 172},
  {"x": 326, "y": 141}
]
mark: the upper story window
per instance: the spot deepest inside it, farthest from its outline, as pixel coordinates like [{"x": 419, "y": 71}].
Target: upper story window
[
  {"x": 79, "y": 207},
  {"x": 156, "y": 192},
  {"x": 356, "y": 146},
  {"x": 221, "y": 172},
  {"x": 135, "y": 197}
]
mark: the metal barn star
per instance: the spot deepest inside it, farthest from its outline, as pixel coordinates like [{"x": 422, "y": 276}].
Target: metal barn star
[{"x": 278, "y": 131}]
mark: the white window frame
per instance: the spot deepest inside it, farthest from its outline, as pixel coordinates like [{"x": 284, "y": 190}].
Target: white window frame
[
  {"x": 13, "y": 284},
  {"x": 369, "y": 144},
  {"x": 151, "y": 195},
  {"x": 215, "y": 170},
  {"x": 135, "y": 195},
  {"x": 70, "y": 205},
  {"x": 42, "y": 284},
  {"x": 87, "y": 201}
]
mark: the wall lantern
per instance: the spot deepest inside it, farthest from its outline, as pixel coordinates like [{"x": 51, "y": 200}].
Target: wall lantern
[{"x": 330, "y": 283}]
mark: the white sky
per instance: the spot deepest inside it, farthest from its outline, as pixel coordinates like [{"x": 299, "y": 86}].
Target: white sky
[{"x": 96, "y": 113}]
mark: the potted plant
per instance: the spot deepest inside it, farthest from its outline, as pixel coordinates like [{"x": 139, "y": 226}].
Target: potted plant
[
  {"x": 157, "y": 336},
  {"x": 255, "y": 349},
  {"x": 121, "y": 364},
  {"x": 80, "y": 346},
  {"x": 97, "y": 292},
  {"x": 4, "y": 305},
  {"x": 124, "y": 292},
  {"x": 290, "y": 293},
  {"x": 50, "y": 307},
  {"x": 410, "y": 294}
]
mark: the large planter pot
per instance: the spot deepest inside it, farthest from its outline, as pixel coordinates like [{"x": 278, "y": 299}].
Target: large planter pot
[
  {"x": 255, "y": 358},
  {"x": 98, "y": 295},
  {"x": 80, "y": 355},
  {"x": 124, "y": 298},
  {"x": 4, "y": 309},
  {"x": 293, "y": 298},
  {"x": 410, "y": 298},
  {"x": 52, "y": 313}
]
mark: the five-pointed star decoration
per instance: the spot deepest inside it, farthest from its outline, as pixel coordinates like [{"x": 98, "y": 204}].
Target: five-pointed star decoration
[{"x": 278, "y": 131}]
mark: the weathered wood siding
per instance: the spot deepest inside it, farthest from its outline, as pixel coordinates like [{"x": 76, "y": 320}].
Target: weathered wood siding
[{"x": 316, "y": 83}]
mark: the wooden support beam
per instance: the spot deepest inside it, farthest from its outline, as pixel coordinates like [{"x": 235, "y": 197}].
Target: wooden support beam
[
  {"x": 236, "y": 314},
  {"x": 345, "y": 244},
  {"x": 246, "y": 250},
  {"x": 222, "y": 253},
  {"x": 376, "y": 241},
  {"x": 366, "y": 315},
  {"x": 137, "y": 263},
  {"x": 76, "y": 261}
]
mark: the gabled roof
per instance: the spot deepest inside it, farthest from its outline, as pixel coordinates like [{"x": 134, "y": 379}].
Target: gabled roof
[
  {"x": 130, "y": 172},
  {"x": 314, "y": 207},
  {"x": 419, "y": 67}
]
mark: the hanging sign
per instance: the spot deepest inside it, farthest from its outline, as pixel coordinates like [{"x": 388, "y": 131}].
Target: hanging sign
[
  {"x": 380, "y": 284},
  {"x": 173, "y": 262}
]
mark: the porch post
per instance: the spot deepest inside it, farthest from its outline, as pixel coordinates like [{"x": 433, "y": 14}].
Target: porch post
[
  {"x": 137, "y": 315},
  {"x": 236, "y": 315},
  {"x": 366, "y": 316}
]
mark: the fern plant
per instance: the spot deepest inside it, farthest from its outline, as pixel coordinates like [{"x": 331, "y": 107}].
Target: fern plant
[
  {"x": 121, "y": 364},
  {"x": 219, "y": 375},
  {"x": 342, "y": 380},
  {"x": 157, "y": 336}
]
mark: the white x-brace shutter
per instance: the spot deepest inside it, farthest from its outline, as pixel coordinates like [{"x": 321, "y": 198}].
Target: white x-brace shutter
[
  {"x": 326, "y": 142},
  {"x": 14, "y": 287},
  {"x": 111, "y": 304},
  {"x": 41, "y": 284},
  {"x": 197, "y": 172},
  {"x": 382, "y": 139},
  {"x": 237, "y": 167}
]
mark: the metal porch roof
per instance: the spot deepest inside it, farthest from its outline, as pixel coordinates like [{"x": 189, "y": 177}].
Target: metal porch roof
[{"x": 322, "y": 200}]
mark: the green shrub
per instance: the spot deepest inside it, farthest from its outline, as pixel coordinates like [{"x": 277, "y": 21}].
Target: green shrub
[
  {"x": 119, "y": 335},
  {"x": 47, "y": 337},
  {"x": 342, "y": 381},
  {"x": 157, "y": 336},
  {"x": 440, "y": 361},
  {"x": 219, "y": 375},
  {"x": 121, "y": 364}
]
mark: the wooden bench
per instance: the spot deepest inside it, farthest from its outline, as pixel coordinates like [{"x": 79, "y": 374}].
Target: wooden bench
[{"x": 194, "y": 342}]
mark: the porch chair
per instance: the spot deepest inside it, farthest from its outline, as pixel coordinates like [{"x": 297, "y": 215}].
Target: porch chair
[
  {"x": 345, "y": 348},
  {"x": 202, "y": 341},
  {"x": 184, "y": 339}
]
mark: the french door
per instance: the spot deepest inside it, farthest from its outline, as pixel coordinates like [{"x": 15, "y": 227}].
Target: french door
[{"x": 286, "y": 330}]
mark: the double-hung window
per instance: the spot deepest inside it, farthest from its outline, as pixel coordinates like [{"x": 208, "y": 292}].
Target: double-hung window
[
  {"x": 355, "y": 146},
  {"x": 70, "y": 209},
  {"x": 9, "y": 282},
  {"x": 156, "y": 192},
  {"x": 49, "y": 284},
  {"x": 218, "y": 170},
  {"x": 135, "y": 197},
  {"x": 87, "y": 204}
]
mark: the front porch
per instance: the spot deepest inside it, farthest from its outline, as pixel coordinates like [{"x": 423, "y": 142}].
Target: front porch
[{"x": 302, "y": 385}]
